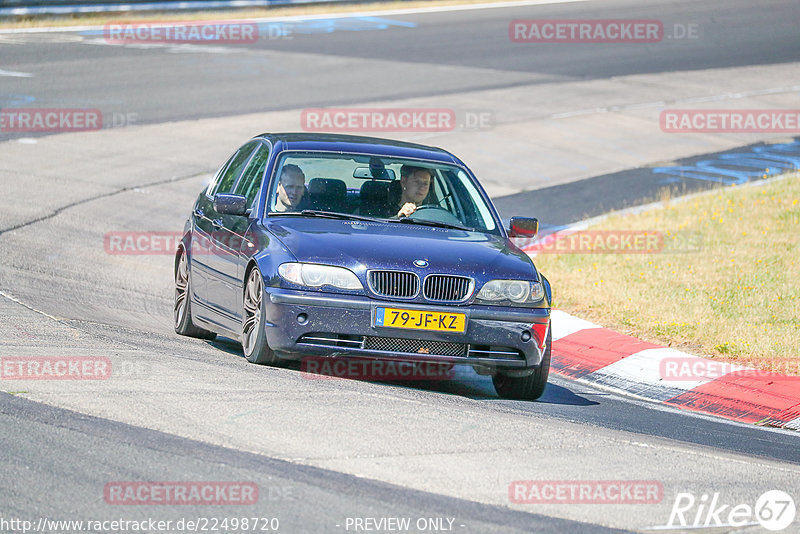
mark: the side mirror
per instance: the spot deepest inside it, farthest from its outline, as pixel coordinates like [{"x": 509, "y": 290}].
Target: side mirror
[
  {"x": 228, "y": 204},
  {"x": 523, "y": 227}
]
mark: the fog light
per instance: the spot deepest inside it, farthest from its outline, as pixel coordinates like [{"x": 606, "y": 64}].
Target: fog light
[
  {"x": 526, "y": 336},
  {"x": 302, "y": 318}
]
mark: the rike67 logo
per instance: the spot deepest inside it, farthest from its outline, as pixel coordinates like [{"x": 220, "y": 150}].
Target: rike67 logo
[{"x": 774, "y": 510}]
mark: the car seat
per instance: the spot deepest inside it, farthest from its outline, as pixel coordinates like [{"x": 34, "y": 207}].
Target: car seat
[
  {"x": 374, "y": 196},
  {"x": 327, "y": 194}
]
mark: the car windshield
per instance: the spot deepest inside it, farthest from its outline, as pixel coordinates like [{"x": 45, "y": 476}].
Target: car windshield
[{"x": 313, "y": 184}]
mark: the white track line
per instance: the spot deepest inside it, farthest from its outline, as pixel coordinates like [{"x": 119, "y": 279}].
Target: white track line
[{"x": 15, "y": 74}]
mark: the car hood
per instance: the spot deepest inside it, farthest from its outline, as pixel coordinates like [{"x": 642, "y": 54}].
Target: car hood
[{"x": 361, "y": 245}]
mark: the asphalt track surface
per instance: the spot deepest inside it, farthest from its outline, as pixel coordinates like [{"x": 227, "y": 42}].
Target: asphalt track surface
[
  {"x": 407, "y": 56},
  {"x": 322, "y": 451},
  {"x": 305, "y": 498}
]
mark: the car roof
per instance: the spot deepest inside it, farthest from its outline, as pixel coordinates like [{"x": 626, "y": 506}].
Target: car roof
[{"x": 358, "y": 144}]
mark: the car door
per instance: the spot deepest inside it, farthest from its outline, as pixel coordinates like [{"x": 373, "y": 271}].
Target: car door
[
  {"x": 233, "y": 234},
  {"x": 200, "y": 239},
  {"x": 212, "y": 253}
]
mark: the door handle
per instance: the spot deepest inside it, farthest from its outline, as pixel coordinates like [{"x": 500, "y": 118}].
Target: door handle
[
  {"x": 198, "y": 212},
  {"x": 217, "y": 223}
]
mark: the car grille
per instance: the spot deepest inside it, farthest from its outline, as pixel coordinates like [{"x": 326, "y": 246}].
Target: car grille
[
  {"x": 397, "y": 284},
  {"x": 415, "y": 346},
  {"x": 446, "y": 288},
  {"x": 410, "y": 346}
]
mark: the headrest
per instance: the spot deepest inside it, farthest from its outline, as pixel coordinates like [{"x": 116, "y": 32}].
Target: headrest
[
  {"x": 374, "y": 191},
  {"x": 327, "y": 187}
]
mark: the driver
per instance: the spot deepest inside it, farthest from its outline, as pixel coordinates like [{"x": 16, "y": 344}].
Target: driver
[
  {"x": 415, "y": 183},
  {"x": 291, "y": 187}
]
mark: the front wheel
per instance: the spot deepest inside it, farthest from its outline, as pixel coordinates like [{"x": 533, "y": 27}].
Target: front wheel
[
  {"x": 182, "y": 311},
  {"x": 528, "y": 387},
  {"x": 254, "y": 336}
]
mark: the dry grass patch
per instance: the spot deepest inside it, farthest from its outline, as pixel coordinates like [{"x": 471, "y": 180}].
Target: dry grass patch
[{"x": 732, "y": 293}]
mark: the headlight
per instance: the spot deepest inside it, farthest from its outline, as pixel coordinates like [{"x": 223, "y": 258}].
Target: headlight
[
  {"x": 314, "y": 275},
  {"x": 517, "y": 291}
]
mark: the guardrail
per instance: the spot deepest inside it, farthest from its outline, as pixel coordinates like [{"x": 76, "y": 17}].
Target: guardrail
[{"x": 68, "y": 7}]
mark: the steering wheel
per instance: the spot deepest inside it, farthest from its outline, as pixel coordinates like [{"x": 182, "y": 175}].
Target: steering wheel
[
  {"x": 428, "y": 207},
  {"x": 436, "y": 213}
]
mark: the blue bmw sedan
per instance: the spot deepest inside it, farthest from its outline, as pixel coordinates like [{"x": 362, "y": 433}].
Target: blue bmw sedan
[{"x": 336, "y": 246}]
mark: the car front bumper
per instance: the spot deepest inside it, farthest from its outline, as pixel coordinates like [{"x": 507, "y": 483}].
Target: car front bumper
[{"x": 301, "y": 323}]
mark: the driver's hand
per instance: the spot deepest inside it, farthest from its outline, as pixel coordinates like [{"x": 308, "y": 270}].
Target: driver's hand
[{"x": 407, "y": 209}]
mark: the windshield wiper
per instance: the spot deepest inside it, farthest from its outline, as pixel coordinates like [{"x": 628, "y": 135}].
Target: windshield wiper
[
  {"x": 331, "y": 215},
  {"x": 338, "y": 215},
  {"x": 349, "y": 216},
  {"x": 437, "y": 224}
]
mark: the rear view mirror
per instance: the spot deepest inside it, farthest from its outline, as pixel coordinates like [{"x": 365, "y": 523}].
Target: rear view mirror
[
  {"x": 523, "y": 227},
  {"x": 228, "y": 204},
  {"x": 366, "y": 173}
]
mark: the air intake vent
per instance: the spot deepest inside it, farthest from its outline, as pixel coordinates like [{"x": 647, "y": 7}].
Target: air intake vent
[
  {"x": 414, "y": 346},
  {"x": 397, "y": 284},
  {"x": 326, "y": 339},
  {"x": 446, "y": 288},
  {"x": 490, "y": 351}
]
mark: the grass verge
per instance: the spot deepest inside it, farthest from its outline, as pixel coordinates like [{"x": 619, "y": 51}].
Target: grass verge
[{"x": 725, "y": 285}]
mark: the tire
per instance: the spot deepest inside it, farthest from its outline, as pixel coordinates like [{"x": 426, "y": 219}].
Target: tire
[
  {"x": 254, "y": 336},
  {"x": 182, "y": 311},
  {"x": 528, "y": 387}
]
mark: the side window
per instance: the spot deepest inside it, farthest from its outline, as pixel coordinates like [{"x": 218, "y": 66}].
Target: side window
[
  {"x": 251, "y": 179},
  {"x": 213, "y": 183},
  {"x": 228, "y": 178}
]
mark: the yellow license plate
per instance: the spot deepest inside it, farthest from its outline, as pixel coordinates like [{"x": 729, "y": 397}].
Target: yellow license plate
[{"x": 421, "y": 320}]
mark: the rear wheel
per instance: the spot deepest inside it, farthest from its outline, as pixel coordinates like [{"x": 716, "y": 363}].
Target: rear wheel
[
  {"x": 182, "y": 312},
  {"x": 254, "y": 336},
  {"x": 528, "y": 387}
]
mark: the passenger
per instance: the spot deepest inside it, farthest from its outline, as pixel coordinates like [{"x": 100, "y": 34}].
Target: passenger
[
  {"x": 415, "y": 183},
  {"x": 291, "y": 187}
]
